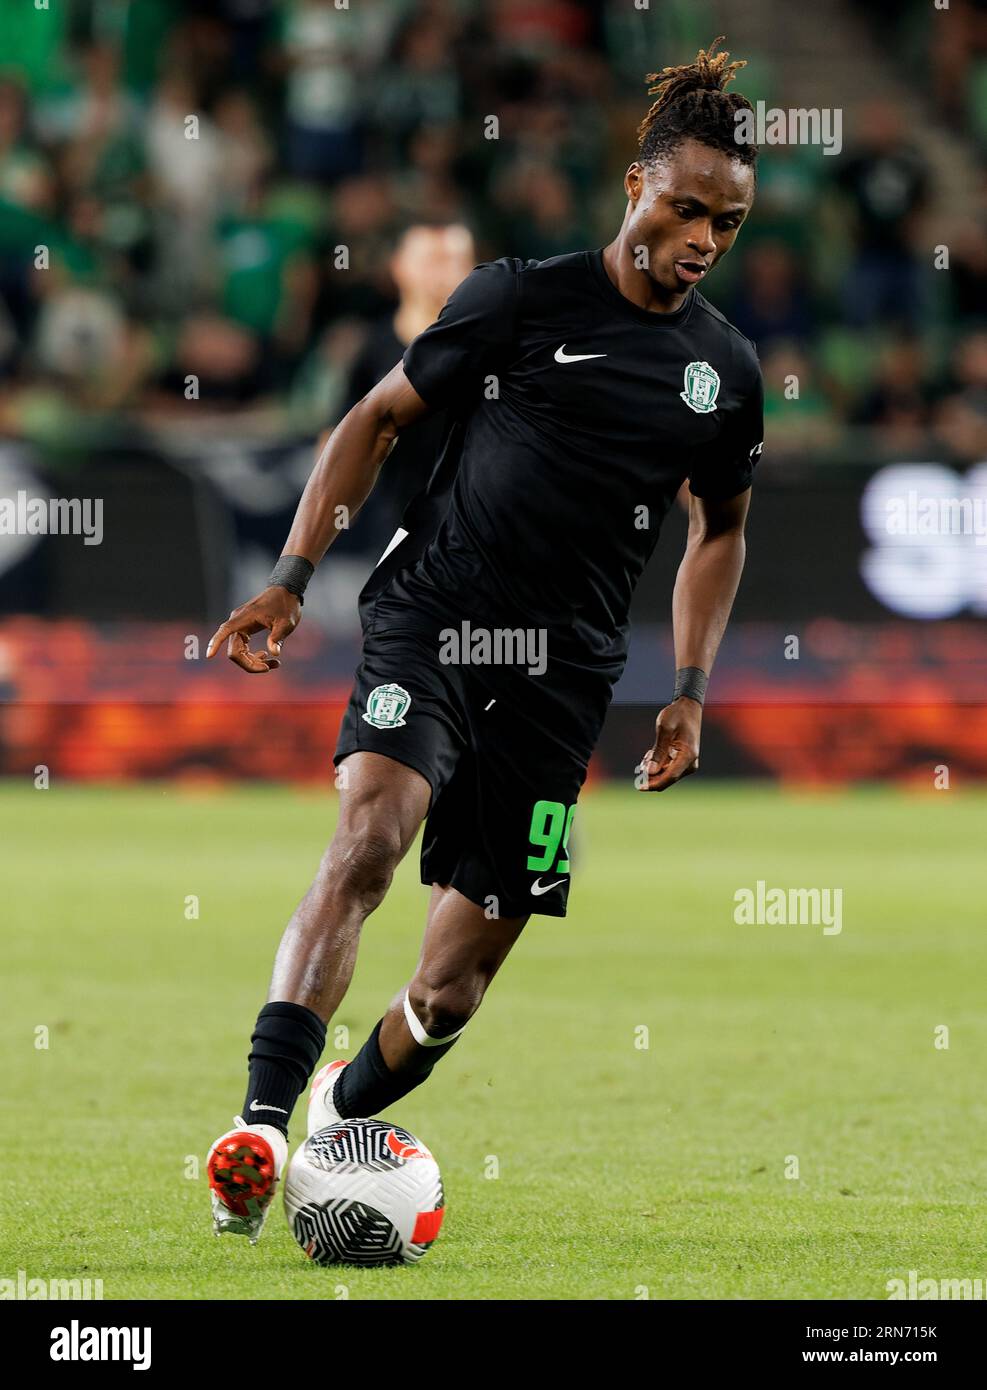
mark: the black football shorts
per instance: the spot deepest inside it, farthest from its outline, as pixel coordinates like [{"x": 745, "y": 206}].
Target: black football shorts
[{"x": 504, "y": 751}]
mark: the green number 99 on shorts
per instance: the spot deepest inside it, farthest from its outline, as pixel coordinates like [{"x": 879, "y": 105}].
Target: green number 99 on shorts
[{"x": 549, "y": 831}]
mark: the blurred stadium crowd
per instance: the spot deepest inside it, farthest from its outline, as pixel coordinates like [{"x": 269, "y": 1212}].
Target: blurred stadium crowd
[
  {"x": 221, "y": 222},
  {"x": 273, "y": 196}
]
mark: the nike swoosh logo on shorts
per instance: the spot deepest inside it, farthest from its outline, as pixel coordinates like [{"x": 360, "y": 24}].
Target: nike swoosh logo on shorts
[
  {"x": 538, "y": 887},
  {"x": 562, "y": 356}
]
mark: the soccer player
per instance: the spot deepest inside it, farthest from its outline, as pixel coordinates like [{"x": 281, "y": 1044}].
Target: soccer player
[{"x": 582, "y": 391}]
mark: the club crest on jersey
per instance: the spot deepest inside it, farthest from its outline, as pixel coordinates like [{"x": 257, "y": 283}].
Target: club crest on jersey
[
  {"x": 387, "y": 706},
  {"x": 702, "y": 386}
]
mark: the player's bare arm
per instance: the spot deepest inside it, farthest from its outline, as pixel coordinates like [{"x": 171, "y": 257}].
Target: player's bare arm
[
  {"x": 342, "y": 478},
  {"x": 704, "y": 592}
]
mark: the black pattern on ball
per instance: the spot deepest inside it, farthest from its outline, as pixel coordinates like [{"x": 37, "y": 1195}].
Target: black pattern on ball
[{"x": 347, "y": 1232}]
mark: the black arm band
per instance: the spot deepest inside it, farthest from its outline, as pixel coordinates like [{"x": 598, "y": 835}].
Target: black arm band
[
  {"x": 292, "y": 572},
  {"x": 690, "y": 681}
]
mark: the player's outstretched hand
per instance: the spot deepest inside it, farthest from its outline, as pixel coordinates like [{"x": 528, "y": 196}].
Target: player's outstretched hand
[
  {"x": 276, "y": 611},
  {"x": 675, "y": 753}
]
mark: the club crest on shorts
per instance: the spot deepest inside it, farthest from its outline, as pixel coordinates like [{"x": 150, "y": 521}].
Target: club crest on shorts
[
  {"x": 386, "y": 706},
  {"x": 702, "y": 386}
]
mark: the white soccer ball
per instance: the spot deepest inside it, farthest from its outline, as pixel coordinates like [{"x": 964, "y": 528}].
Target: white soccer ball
[{"x": 363, "y": 1192}]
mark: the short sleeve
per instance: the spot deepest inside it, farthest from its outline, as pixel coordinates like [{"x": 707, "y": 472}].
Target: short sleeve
[
  {"x": 466, "y": 341},
  {"x": 726, "y": 467}
]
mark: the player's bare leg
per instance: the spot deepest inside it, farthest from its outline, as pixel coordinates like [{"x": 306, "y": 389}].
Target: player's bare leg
[
  {"x": 382, "y": 806},
  {"x": 461, "y": 952}
]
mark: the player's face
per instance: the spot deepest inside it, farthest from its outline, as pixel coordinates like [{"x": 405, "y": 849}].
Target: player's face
[{"x": 687, "y": 210}]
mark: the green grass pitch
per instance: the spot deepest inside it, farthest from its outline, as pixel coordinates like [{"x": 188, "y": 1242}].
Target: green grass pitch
[{"x": 624, "y": 1171}]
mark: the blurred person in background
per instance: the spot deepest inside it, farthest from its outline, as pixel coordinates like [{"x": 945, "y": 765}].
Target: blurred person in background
[
  {"x": 187, "y": 176},
  {"x": 420, "y": 84},
  {"x": 251, "y": 25},
  {"x": 27, "y": 209},
  {"x": 968, "y": 258},
  {"x": 24, "y": 171},
  {"x": 968, "y": 279},
  {"x": 772, "y": 299},
  {"x": 959, "y": 60},
  {"x": 960, "y": 420},
  {"x": 426, "y": 187},
  {"x": 789, "y": 191},
  {"x": 886, "y": 183},
  {"x": 426, "y": 266},
  {"x": 220, "y": 357},
  {"x": 360, "y": 226},
  {"x": 898, "y": 403},
  {"x": 960, "y": 425},
  {"x": 326, "y": 52},
  {"x": 94, "y": 130},
  {"x": 797, "y": 409},
  {"x": 92, "y": 114},
  {"x": 541, "y": 210}
]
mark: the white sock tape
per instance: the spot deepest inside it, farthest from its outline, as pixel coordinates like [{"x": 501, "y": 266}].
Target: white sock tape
[{"x": 418, "y": 1032}]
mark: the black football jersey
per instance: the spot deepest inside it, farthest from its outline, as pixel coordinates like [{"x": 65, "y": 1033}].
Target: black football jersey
[{"x": 574, "y": 418}]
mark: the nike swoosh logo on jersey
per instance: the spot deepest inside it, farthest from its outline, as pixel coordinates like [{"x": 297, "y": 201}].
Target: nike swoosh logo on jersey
[
  {"x": 255, "y": 1105},
  {"x": 538, "y": 887},
  {"x": 562, "y": 356}
]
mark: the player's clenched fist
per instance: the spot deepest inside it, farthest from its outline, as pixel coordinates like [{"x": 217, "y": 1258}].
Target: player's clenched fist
[
  {"x": 676, "y": 748},
  {"x": 276, "y": 611}
]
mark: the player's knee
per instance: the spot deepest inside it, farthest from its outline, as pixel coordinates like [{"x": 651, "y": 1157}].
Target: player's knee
[
  {"x": 360, "y": 865},
  {"x": 443, "y": 1007}
]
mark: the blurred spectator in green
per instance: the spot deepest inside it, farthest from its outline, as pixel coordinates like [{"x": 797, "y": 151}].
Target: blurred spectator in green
[
  {"x": 93, "y": 117},
  {"x": 790, "y": 182},
  {"x": 419, "y": 84},
  {"x": 25, "y": 174},
  {"x": 94, "y": 131},
  {"x": 254, "y": 250},
  {"x": 797, "y": 413},
  {"x": 27, "y": 207},
  {"x": 327, "y": 52},
  {"x": 31, "y": 42}
]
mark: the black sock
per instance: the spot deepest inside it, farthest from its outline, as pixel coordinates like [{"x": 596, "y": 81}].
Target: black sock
[
  {"x": 286, "y": 1045},
  {"x": 368, "y": 1085}
]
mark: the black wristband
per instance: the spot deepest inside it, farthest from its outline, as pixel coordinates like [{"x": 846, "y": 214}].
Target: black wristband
[
  {"x": 690, "y": 681},
  {"x": 292, "y": 572}
]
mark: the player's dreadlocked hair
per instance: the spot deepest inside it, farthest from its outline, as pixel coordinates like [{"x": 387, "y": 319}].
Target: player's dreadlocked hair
[{"x": 692, "y": 104}]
